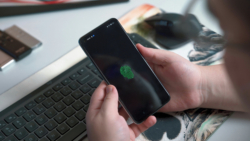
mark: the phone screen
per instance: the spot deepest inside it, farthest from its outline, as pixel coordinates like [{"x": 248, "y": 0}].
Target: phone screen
[{"x": 121, "y": 64}]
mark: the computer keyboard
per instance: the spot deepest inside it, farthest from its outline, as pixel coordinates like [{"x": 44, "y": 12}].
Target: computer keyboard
[{"x": 56, "y": 111}]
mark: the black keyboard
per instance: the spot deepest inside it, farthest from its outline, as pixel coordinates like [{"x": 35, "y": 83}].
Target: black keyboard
[{"x": 55, "y": 111}]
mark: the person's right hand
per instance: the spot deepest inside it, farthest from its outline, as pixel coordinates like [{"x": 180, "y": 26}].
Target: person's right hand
[{"x": 181, "y": 78}]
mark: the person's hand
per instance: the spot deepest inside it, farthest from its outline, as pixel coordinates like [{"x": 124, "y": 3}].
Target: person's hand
[
  {"x": 105, "y": 123},
  {"x": 181, "y": 78}
]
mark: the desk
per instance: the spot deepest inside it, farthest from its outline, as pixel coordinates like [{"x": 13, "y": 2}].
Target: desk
[{"x": 59, "y": 31}]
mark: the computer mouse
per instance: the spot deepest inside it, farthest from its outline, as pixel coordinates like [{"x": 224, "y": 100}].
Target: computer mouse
[{"x": 173, "y": 30}]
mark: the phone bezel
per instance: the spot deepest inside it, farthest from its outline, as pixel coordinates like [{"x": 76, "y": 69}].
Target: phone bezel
[{"x": 81, "y": 42}]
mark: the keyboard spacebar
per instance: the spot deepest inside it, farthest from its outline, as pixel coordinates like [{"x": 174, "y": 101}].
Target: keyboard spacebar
[{"x": 75, "y": 132}]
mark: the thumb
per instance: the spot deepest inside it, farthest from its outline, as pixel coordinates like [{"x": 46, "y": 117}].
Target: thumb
[
  {"x": 156, "y": 56},
  {"x": 110, "y": 103}
]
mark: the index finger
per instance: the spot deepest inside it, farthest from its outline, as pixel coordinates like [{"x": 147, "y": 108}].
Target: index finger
[{"x": 97, "y": 99}]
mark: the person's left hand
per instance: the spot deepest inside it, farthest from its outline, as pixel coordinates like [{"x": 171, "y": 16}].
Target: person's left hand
[{"x": 105, "y": 123}]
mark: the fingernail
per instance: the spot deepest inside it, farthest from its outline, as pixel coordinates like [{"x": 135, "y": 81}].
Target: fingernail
[{"x": 109, "y": 89}]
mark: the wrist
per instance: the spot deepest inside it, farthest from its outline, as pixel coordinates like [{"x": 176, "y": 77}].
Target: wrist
[
  {"x": 203, "y": 86},
  {"x": 212, "y": 88},
  {"x": 217, "y": 91}
]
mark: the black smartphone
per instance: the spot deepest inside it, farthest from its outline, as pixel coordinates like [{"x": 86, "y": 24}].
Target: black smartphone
[{"x": 121, "y": 64}]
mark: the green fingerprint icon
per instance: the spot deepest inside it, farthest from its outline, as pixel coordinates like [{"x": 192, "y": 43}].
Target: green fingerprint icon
[{"x": 126, "y": 72}]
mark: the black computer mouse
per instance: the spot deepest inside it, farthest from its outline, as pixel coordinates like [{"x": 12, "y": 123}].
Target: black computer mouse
[{"x": 173, "y": 30}]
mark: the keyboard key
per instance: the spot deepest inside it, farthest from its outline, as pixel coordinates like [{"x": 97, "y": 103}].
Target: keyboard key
[
  {"x": 62, "y": 129},
  {"x": 10, "y": 118},
  {"x": 78, "y": 105},
  {"x": 91, "y": 66},
  {"x": 66, "y": 81},
  {"x": 91, "y": 92},
  {"x": 40, "y": 98},
  {"x": 94, "y": 83},
  {"x": 48, "y": 103},
  {"x": 54, "y": 135},
  {"x": 74, "y": 132},
  {"x": 59, "y": 106},
  {"x": 40, "y": 132},
  {"x": 82, "y": 71},
  {"x": 41, "y": 119},
  {"x": 68, "y": 100},
  {"x": 60, "y": 118},
  {"x": 85, "y": 99},
  {"x": 49, "y": 93},
  {"x": 2, "y": 124},
  {"x": 31, "y": 126},
  {"x": 9, "y": 129},
  {"x": 85, "y": 78},
  {"x": 30, "y": 105},
  {"x": 44, "y": 139},
  {"x": 20, "y": 111},
  {"x": 74, "y": 76},
  {"x": 96, "y": 71},
  {"x": 69, "y": 111},
  {"x": 11, "y": 138},
  {"x": 20, "y": 122},
  {"x": 50, "y": 125},
  {"x": 66, "y": 91},
  {"x": 1, "y": 136},
  {"x": 29, "y": 116},
  {"x": 72, "y": 121},
  {"x": 39, "y": 109},
  {"x": 57, "y": 97},
  {"x": 21, "y": 133},
  {"x": 86, "y": 108},
  {"x": 77, "y": 94},
  {"x": 58, "y": 87},
  {"x": 80, "y": 115},
  {"x": 74, "y": 85},
  {"x": 85, "y": 88},
  {"x": 50, "y": 113},
  {"x": 31, "y": 137}
]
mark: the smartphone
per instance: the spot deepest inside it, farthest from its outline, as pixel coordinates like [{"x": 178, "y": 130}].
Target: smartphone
[{"x": 120, "y": 63}]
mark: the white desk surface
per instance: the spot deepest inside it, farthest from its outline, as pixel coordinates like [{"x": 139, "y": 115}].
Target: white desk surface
[{"x": 59, "y": 31}]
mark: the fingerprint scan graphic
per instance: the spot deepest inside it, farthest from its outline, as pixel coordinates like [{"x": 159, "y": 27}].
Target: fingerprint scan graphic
[{"x": 126, "y": 72}]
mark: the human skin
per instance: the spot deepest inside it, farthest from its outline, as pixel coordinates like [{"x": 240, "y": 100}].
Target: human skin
[
  {"x": 225, "y": 86},
  {"x": 191, "y": 86},
  {"x": 237, "y": 56},
  {"x": 106, "y": 123}
]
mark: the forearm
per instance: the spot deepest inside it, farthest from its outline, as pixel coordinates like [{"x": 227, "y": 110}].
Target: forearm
[{"x": 217, "y": 90}]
